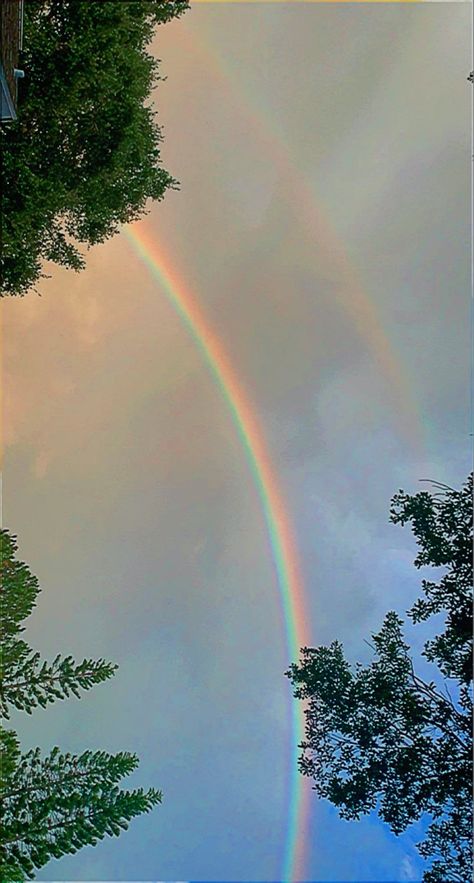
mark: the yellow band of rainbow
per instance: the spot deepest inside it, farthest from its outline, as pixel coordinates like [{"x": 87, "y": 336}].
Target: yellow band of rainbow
[{"x": 282, "y": 541}]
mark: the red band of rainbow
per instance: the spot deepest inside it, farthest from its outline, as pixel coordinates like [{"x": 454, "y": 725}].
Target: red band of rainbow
[{"x": 282, "y": 542}]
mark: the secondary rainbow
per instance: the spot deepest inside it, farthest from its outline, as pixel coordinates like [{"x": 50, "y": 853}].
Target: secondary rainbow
[
  {"x": 314, "y": 225},
  {"x": 282, "y": 542}
]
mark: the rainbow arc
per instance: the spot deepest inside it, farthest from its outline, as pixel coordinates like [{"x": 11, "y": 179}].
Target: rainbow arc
[{"x": 281, "y": 539}]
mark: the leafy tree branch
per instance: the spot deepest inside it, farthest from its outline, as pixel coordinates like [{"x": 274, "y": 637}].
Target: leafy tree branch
[{"x": 381, "y": 738}]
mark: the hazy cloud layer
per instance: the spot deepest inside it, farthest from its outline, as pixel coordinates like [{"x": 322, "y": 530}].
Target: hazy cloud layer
[{"x": 124, "y": 478}]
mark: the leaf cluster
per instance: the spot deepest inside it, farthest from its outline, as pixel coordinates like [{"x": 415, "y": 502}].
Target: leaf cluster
[
  {"x": 83, "y": 157},
  {"x": 380, "y": 738},
  {"x": 442, "y": 525}
]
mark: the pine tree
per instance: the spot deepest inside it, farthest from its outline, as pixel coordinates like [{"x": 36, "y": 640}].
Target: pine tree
[
  {"x": 58, "y": 804},
  {"x": 54, "y": 805},
  {"x": 25, "y": 680}
]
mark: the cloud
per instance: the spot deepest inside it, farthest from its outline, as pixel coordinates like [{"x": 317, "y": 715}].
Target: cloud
[
  {"x": 41, "y": 464},
  {"x": 407, "y": 869},
  {"x": 126, "y": 481}
]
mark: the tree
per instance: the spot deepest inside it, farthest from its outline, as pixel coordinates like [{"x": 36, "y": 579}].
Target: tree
[
  {"x": 57, "y": 805},
  {"x": 83, "y": 156},
  {"x": 379, "y": 737},
  {"x": 25, "y": 680},
  {"x": 54, "y": 805},
  {"x": 442, "y": 525}
]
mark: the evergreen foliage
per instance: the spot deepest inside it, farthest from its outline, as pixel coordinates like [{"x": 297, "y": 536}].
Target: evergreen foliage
[
  {"x": 56, "y": 805},
  {"x": 52, "y": 805},
  {"x": 379, "y": 737},
  {"x": 25, "y": 680}
]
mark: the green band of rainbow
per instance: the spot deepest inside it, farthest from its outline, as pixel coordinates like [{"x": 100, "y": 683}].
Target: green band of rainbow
[{"x": 283, "y": 546}]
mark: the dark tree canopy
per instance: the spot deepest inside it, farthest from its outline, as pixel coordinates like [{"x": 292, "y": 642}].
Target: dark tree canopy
[
  {"x": 378, "y": 737},
  {"x": 52, "y": 805},
  {"x": 442, "y": 525},
  {"x": 83, "y": 156}
]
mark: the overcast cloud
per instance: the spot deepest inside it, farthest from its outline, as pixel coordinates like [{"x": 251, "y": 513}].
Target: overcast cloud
[{"x": 124, "y": 479}]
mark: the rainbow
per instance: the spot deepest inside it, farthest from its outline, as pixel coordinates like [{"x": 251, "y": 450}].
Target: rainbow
[
  {"x": 313, "y": 220},
  {"x": 355, "y": 303},
  {"x": 282, "y": 541}
]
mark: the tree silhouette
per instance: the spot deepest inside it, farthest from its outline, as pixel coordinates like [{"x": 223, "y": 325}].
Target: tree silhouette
[{"x": 380, "y": 737}]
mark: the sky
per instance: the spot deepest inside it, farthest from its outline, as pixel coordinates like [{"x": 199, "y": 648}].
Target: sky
[{"x": 321, "y": 228}]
